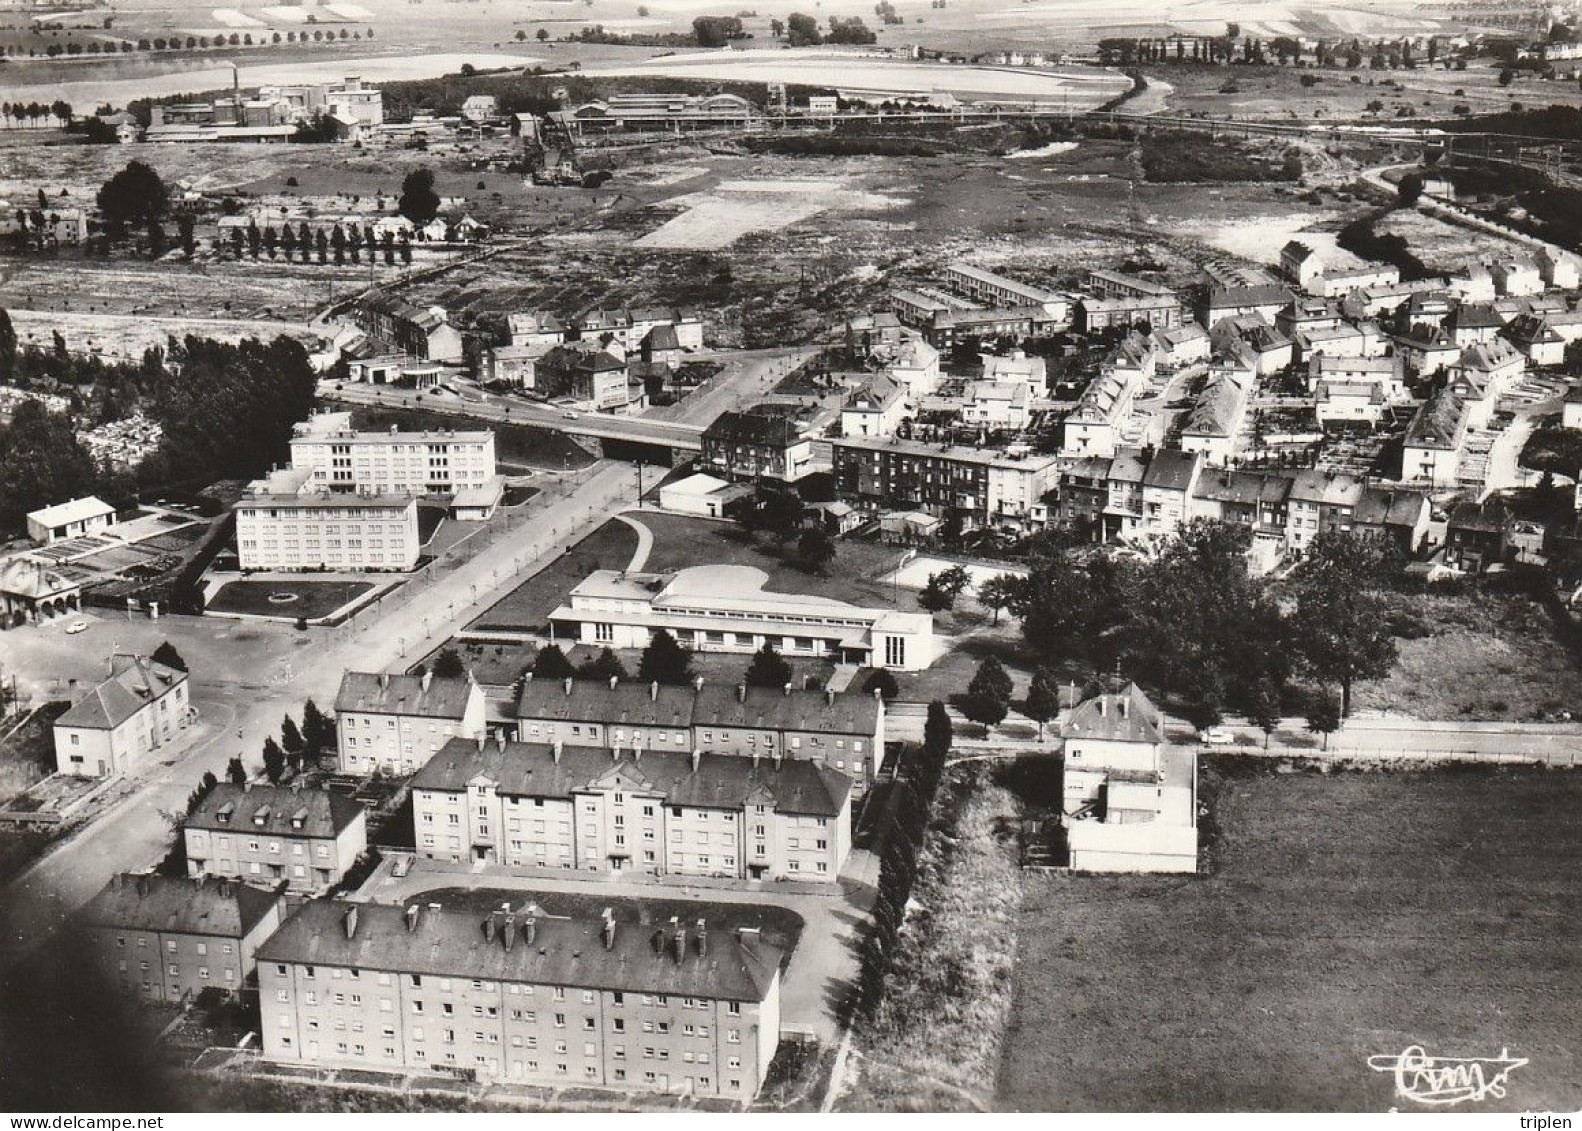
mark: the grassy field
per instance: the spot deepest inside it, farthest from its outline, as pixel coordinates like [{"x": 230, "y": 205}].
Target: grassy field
[
  {"x": 1481, "y": 656},
  {"x": 934, "y": 1041},
  {"x": 315, "y": 599},
  {"x": 1349, "y": 915},
  {"x": 527, "y": 607}
]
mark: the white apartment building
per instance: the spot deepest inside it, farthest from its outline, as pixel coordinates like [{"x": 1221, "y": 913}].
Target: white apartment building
[
  {"x": 284, "y": 523},
  {"x": 119, "y": 724},
  {"x": 396, "y": 723},
  {"x": 377, "y": 463}
]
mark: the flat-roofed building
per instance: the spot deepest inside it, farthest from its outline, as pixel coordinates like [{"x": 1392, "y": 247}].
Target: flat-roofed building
[
  {"x": 725, "y": 608},
  {"x": 986, "y": 486},
  {"x": 307, "y": 839},
  {"x": 522, "y": 997},
  {"x": 284, "y": 523},
  {"x": 343, "y": 459},
  {"x": 167, "y": 939},
  {"x": 657, "y": 812}
]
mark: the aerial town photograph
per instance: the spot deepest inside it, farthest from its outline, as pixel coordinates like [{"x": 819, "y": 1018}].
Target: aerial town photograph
[{"x": 621, "y": 557}]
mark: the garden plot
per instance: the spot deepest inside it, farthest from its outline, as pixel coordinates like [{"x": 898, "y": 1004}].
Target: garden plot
[{"x": 720, "y": 216}]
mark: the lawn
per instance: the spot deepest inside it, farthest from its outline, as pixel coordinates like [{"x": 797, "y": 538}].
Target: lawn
[
  {"x": 527, "y": 607},
  {"x": 1348, "y": 915},
  {"x": 315, "y": 599},
  {"x": 1488, "y": 656},
  {"x": 781, "y": 926}
]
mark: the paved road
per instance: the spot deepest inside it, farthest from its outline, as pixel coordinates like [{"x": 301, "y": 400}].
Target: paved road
[{"x": 247, "y": 677}]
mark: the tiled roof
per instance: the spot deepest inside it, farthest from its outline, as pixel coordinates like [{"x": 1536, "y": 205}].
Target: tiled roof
[
  {"x": 202, "y": 906},
  {"x": 563, "y": 952},
  {"x": 754, "y": 428},
  {"x": 1123, "y": 716},
  {"x": 136, "y": 683},
  {"x": 1438, "y": 422},
  {"x": 1172, "y": 470},
  {"x": 378, "y": 693},
  {"x": 595, "y": 701},
  {"x": 277, "y": 810}
]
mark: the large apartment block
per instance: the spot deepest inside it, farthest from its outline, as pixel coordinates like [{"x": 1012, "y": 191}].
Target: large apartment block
[
  {"x": 669, "y": 812},
  {"x": 844, "y": 732},
  {"x": 988, "y": 487},
  {"x": 396, "y": 723},
  {"x": 119, "y": 724},
  {"x": 524, "y": 997},
  {"x": 308, "y": 838},
  {"x": 284, "y": 522},
  {"x": 377, "y": 463},
  {"x": 167, "y": 939}
]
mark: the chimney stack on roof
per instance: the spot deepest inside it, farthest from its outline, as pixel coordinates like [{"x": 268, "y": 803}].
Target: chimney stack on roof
[
  {"x": 787, "y": 689},
  {"x": 413, "y": 913},
  {"x": 703, "y": 939},
  {"x": 499, "y": 739},
  {"x": 350, "y": 921},
  {"x": 741, "y": 693},
  {"x": 427, "y": 680},
  {"x": 829, "y": 697},
  {"x": 508, "y": 931},
  {"x": 488, "y": 928},
  {"x": 697, "y": 683},
  {"x": 653, "y": 691},
  {"x": 567, "y": 684},
  {"x": 384, "y": 681},
  {"x": 482, "y": 739},
  {"x": 142, "y": 885},
  {"x": 607, "y": 931},
  {"x": 697, "y": 757},
  {"x": 614, "y": 679},
  {"x": 529, "y": 931},
  {"x": 556, "y": 751},
  {"x": 679, "y": 944},
  {"x": 527, "y": 678}
]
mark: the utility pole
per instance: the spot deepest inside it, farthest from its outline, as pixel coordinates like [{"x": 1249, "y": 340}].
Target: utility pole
[{"x": 639, "y": 483}]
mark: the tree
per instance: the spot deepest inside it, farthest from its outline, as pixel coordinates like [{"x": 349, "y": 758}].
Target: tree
[
  {"x": 551, "y": 663},
  {"x": 988, "y": 696},
  {"x": 41, "y": 463},
  {"x": 318, "y": 733},
  {"x": 933, "y": 596},
  {"x": 7, "y": 348},
  {"x": 292, "y": 742},
  {"x": 938, "y": 731},
  {"x": 448, "y": 664},
  {"x": 1338, "y": 626},
  {"x": 1000, "y": 592},
  {"x": 166, "y": 654},
  {"x": 815, "y": 549},
  {"x": 235, "y": 772},
  {"x": 768, "y": 669},
  {"x": 542, "y": 34},
  {"x": 1263, "y": 708},
  {"x": 716, "y": 31},
  {"x": 1409, "y": 189},
  {"x": 777, "y": 28},
  {"x": 802, "y": 30},
  {"x": 883, "y": 682},
  {"x": 134, "y": 196},
  {"x": 605, "y": 666},
  {"x": 954, "y": 581},
  {"x": 274, "y": 760},
  {"x": 1323, "y": 715},
  {"x": 1043, "y": 697},
  {"x": 1507, "y": 76},
  {"x": 419, "y": 202},
  {"x": 664, "y": 661}
]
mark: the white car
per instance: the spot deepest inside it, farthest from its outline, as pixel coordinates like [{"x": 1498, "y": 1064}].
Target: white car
[
  {"x": 569, "y": 415},
  {"x": 1216, "y": 736},
  {"x": 76, "y": 626}
]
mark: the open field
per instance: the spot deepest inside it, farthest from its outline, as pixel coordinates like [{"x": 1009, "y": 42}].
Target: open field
[
  {"x": 313, "y": 599},
  {"x": 1484, "y": 656},
  {"x": 1349, "y": 915},
  {"x": 733, "y": 209},
  {"x": 527, "y": 607},
  {"x": 1443, "y": 246}
]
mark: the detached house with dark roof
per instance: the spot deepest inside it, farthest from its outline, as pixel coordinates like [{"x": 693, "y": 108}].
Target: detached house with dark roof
[
  {"x": 308, "y": 838},
  {"x": 115, "y": 727},
  {"x": 691, "y": 1008},
  {"x": 167, "y": 939},
  {"x": 1130, "y": 799},
  {"x": 396, "y": 723},
  {"x": 660, "y": 811},
  {"x": 757, "y": 445}
]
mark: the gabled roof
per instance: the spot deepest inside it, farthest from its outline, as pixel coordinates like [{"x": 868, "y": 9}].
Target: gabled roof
[
  {"x": 135, "y": 684},
  {"x": 1327, "y": 488},
  {"x": 1384, "y": 506},
  {"x": 1266, "y": 294},
  {"x": 1438, "y": 423},
  {"x": 563, "y": 952},
  {"x": 768, "y": 708},
  {"x": 25, "y": 577},
  {"x": 379, "y": 693},
  {"x": 1171, "y": 470},
  {"x": 1123, "y": 716},
  {"x": 1474, "y": 316},
  {"x": 76, "y": 510},
  {"x": 754, "y": 428},
  {"x": 1246, "y": 488},
  {"x": 278, "y": 810},
  {"x": 202, "y": 906},
  {"x": 595, "y": 701},
  {"x": 1485, "y": 357}
]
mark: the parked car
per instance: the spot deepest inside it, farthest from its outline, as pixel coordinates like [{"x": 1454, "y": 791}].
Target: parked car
[{"x": 1216, "y": 736}]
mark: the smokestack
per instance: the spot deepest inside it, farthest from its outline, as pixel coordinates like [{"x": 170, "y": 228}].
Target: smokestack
[
  {"x": 607, "y": 932},
  {"x": 351, "y": 922}
]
